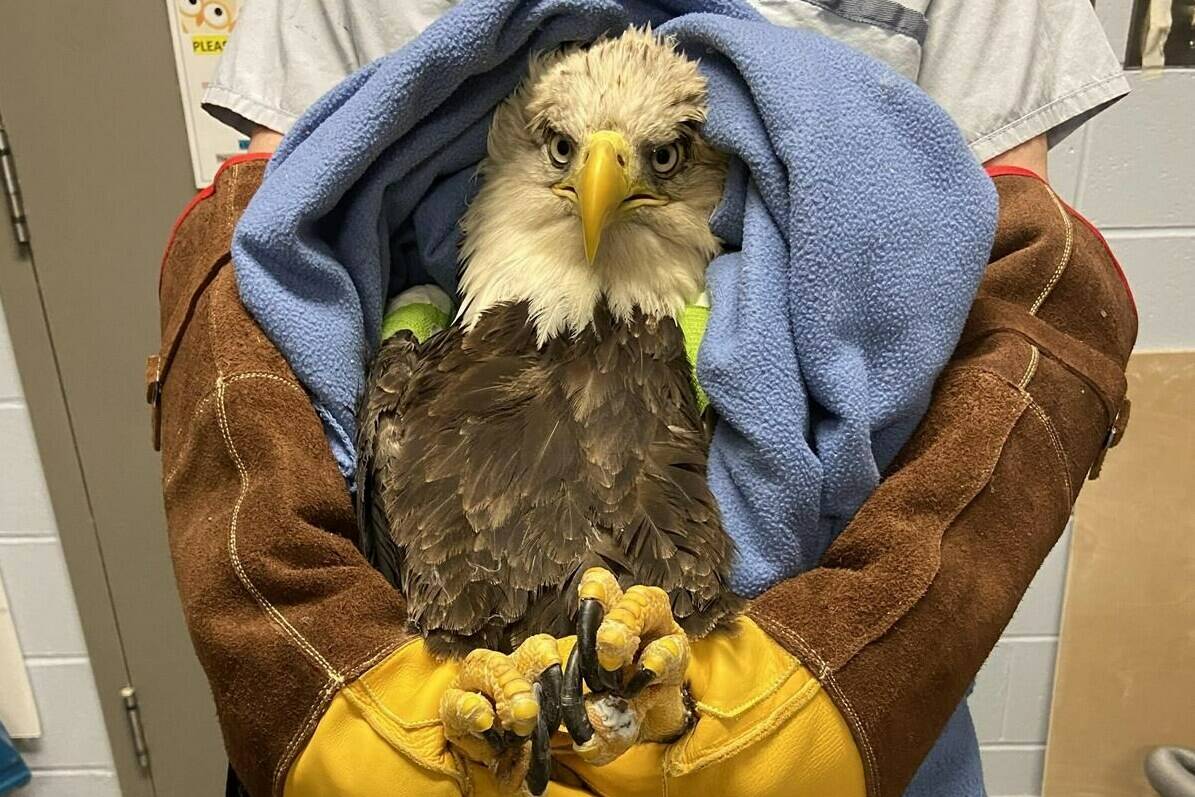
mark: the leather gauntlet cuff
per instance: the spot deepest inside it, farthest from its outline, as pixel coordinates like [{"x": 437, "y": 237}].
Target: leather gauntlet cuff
[
  {"x": 282, "y": 609},
  {"x": 911, "y": 598}
]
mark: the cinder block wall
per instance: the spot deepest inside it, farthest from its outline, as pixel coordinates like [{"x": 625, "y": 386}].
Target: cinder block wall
[
  {"x": 72, "y": 758},
  {"x": 1132, "y": 171}
]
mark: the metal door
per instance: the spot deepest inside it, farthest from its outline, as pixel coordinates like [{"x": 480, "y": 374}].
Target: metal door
[{"x": 91, "y": 108}]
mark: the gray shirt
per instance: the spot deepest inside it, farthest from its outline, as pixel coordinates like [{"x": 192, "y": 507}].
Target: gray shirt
[{"x": 1006, "y": 70}]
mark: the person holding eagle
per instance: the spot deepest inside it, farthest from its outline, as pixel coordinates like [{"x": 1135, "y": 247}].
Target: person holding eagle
[{"x": 532, "y": 477}]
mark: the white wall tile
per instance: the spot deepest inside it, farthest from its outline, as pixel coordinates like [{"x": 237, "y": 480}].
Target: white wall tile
[
  {"x": 988, "y": 699},
  {"x": 1030, "y": 684},
  {"x": 1140, "y": 168},
  {"x": 73, "y": 733},
  {"x": 1065, "y": 162},
  {"x": 1011, "y": 701},
  {"x": 1161, "y": 272},
  {"x": 71, "y": 783},
  {"x": 1013, "y": 771},
  {"x": 24, "y": 502},
  {"x": 43, "y": 605}
]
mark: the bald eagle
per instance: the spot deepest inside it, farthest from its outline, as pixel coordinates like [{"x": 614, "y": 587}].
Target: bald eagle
[{"x": 541, "y": 463}]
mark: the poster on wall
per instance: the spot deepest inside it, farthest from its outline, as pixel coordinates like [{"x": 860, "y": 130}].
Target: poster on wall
[{"x": 199, "y": 30}]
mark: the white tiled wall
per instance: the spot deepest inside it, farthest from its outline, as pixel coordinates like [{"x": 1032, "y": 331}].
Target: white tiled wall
[
  {"x": 1011, "y": 701},
  {"x": 1132, "y": 172},
  {"x": 72, "y": 759}
]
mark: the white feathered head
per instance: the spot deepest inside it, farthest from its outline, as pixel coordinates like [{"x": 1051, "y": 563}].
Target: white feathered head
[{"x": 597, "y": 184}]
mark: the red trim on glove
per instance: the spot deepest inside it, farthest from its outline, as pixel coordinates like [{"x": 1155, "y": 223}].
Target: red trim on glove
[
  {"x": 1019, "y": 171},
  {"x": 199, "y": 197}
]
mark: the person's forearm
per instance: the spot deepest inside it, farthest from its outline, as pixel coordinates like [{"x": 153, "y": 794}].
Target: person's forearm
[
  {"x": 910, "y": 599},
  {"x": 1031, "y": 155},
  {"x": 263, "y": 139}
]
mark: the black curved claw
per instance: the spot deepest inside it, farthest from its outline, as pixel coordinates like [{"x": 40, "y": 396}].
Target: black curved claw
[
  {"x": 589, "y": 619},
  {"x": 551, "y": 681},
  {"x": 540, "y": 770},
  {"x": 639, "y": 681},
  {"x": 572, "y": 700}
]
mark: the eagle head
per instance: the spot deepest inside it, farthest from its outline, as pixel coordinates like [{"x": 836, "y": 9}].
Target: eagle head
[{"x": 597, "y": 184}]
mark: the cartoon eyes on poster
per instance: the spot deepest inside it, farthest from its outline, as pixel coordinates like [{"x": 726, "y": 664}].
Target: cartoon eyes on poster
[{"x": 200, "y": 29}]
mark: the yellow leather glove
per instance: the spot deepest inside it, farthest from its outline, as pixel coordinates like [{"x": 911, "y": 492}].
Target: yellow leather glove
[{"x": 766, "y": 727}]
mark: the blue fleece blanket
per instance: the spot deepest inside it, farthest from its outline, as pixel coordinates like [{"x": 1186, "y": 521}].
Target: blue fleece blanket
[{"x": 857, "y": 227}]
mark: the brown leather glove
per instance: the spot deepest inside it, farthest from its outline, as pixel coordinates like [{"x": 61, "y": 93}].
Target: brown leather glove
[
  {"x": 911, "y": 598},
  {"x": 284, "y": 611},
  {"x": 282, "y": 608}
]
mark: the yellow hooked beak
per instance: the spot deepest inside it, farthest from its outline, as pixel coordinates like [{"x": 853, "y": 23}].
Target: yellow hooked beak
[{"x": 603, "y": 186}]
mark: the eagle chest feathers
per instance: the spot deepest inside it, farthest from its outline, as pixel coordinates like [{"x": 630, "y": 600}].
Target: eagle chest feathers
[{"x": 506, "y": 468}]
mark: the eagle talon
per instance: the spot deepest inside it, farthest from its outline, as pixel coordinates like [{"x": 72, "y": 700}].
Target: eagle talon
[
  {"x": 502, "y": 710},
  {"x": 589, "y": 619},
  {"x": 572, "y": 701},
  {"x": 539, "y": 770},
  {"x": 550, "y": 684},
  {"x": 616, "y": 631}
]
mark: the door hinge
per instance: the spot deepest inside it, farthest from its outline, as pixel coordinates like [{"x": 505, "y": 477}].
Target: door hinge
[
  {"x": 129, "y": 696},
  {"x": 12, "y": 190}
]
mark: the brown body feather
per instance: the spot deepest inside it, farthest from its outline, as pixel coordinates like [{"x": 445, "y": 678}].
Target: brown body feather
[{"x": 493, "y": 472}]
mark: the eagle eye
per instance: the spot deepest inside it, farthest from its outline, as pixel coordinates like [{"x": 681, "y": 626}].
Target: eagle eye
[
  {"x": 560, "y": 150},
  {"x": 665, "y": 159}
]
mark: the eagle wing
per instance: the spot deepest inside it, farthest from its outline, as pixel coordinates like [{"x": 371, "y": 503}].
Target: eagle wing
[
  {"x": 459, "y": 485},
  {"x": 381, "y": 407}
]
